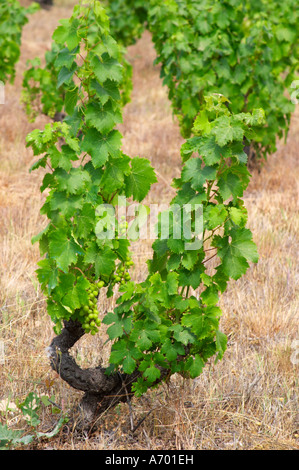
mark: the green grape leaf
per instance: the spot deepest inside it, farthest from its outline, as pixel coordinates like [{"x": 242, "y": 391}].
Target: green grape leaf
[
  {"x": 195, "y": 366},
  {"x": 176, "y": 245},
  {"x": 230, "y": 185},
  {"x": 129, "y": 364},
  {"x": 172, "y": 349},
  {"x": 206, "y": 147},
  {"x": 172, "y": 283},
  {"x": 67, "y": 33},
  {"x": 236, "y": 254},
  {"x": 63, "y": 249},
  {"x": 41, "y": 162},
  {"x": 143, "y": 342},
  {"x": 196, "y": 174},
  {"x": 109, "y": 90},
  {"x": 182, "y": 335},
  {"x": 106, "y": 68},
  {"x": 115, "y": 172},
  {"x": 214, "y": 215},
  {"x": 74, "y": 182},
  {"x": 62, "y": 159},
  {"x": 285, "y": 34},
  {"x": 71, "y": 98},
  {"x": 119, "y": 349},
  {"x": 47, "y": 274},
  {"x": 152, "y": 373},
  {"x": 103, "y": 259},
  {"x": 210, "y": 296},
  {"x": 173, "y": 262},
  {"x": 238, "y": 216},
  {"x": 67, "y": 205},
  {"x": 102, "y": 118},
  {"x": 84, "y": 221},
  {"x": 197, "y": 324},
  {"x": 202, "y": 124},
  {"x": 189, "y": 259},
  {"x": 66, "y": 57},
  {"x": 221, "y": 344},
  {"x": 65, "y": 75},
  {"x": 140, "y": 179},
  {"x": 100, "y": 146},
  {"x": 115, "y": 331},
  {"x": 225, "y": 132}
]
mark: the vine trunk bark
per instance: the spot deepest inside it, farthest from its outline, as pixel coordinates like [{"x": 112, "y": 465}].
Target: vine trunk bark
[{"x": 101, "y": 391}]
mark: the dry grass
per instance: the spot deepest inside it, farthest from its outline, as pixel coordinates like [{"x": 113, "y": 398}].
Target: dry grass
[{"x": 249, "y": 400}]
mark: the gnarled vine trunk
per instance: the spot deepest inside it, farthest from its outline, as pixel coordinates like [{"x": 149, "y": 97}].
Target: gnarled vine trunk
[{"x": 102, "y": 391}]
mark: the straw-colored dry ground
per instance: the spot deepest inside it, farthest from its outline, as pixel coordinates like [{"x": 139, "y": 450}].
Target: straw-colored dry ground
[{"x": 249, "y": 400}]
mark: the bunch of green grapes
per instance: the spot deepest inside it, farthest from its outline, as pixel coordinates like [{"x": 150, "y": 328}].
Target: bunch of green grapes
[
  {"x": 122, "y": 274},
  {"x": 89, "y": 314},
  {"x": 122, "y": 227}
]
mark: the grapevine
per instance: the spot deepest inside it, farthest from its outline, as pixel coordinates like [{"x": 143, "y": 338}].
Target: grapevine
[
  {"x": 13, "y": 17},
  {"x": 78, "y": 261},
  {"x": 48, "y": 89},
  {"x": 235, "y": 49},
  {"x": 128, "y": 20},
  {"x": 170, "y": 323},
  {"x": 252, "y": 46}
]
